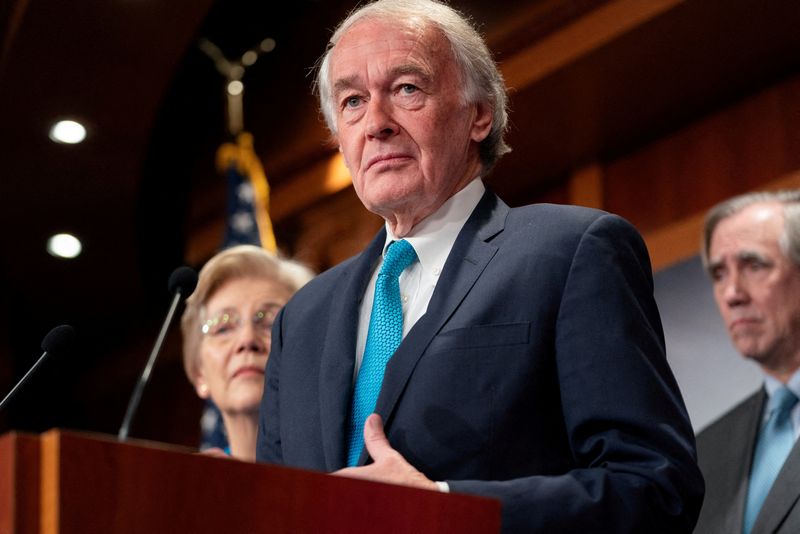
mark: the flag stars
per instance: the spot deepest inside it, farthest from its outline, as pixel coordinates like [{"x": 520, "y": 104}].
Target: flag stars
[
  {"x": 242, "y": 222},
  {"x": 245, "y": 193}
]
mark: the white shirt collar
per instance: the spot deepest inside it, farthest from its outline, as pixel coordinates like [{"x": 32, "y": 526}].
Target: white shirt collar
[
  {"x": 772, "y": 384},
  {"x": 434, "y": 236}
]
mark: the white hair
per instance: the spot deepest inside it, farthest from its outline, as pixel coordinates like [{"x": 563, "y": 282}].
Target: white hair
[
  {"x": 789, "y": 240},
  {"x": 482, "y": 81}
]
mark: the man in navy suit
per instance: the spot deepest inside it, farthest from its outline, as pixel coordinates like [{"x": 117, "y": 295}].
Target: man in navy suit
[{"x": 531, "y": 367}]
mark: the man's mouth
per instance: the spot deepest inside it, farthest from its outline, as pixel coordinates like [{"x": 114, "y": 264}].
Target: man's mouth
[{"x": 387, "y": 159}]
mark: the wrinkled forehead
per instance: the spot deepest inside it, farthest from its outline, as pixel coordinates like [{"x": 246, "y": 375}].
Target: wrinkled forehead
[
  {"x": 750, "y": 229},
  {"x": 760, "y": 220}
]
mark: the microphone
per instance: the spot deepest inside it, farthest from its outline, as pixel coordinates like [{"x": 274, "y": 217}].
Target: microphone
[
  {"x": 181, "y": 283},
  {"x": 58, "y": 340}
]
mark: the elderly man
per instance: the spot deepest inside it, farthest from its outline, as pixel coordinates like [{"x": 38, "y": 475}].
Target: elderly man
[
  {"x": 519, "y": 355},
  {"x": 752, "y": 468}
]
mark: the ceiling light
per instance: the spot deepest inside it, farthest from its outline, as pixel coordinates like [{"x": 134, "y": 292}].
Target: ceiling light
[
  {"x": 235, "y": 88},
  {"x": 248, "y": 58},
  {"x": 64, "y": 246},
  {"x": 267, "y": 45},
  {"x": 69, "y": 132}
]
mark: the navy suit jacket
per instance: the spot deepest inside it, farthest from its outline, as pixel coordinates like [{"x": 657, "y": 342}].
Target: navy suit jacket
[{"x": 536, "y": 376}]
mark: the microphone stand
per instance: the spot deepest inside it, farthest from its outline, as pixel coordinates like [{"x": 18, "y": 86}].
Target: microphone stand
[
  {"x": 24, "y": 379},
  {"x": 59, "y": 339},
  {"x": 133, "y": 404}
]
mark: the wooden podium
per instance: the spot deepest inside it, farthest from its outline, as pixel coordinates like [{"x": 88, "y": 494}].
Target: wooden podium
[{"x": 63, "y": 482}]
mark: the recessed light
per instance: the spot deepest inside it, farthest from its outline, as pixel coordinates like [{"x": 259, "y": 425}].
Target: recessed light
[
  {"x": 248, "y": 58},
  {"x": 69, "y": 132},
  {"x": 268, "y": 44},
  {"x": 64, "y": 246},
  {"x": 235, "y": 88}
]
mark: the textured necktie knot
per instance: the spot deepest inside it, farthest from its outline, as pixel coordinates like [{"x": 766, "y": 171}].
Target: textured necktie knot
[
  {"x": 383, "y": 337},
  {"x": 775, "y": 441},
  {"x": 399, "y": 255}
]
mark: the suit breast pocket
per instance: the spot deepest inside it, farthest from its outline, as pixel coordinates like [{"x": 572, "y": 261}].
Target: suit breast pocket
[
  {"x": 461, "y": 394},
  {"x": 481, "y": 336}
]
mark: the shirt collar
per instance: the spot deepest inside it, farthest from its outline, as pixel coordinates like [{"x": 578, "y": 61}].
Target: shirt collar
[
  {"x": 772, "y": 384},
  {"x": 434, "y": 236}
]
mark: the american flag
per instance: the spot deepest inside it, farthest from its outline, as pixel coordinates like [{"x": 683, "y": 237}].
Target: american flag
[{"x": 247, "y": 222}]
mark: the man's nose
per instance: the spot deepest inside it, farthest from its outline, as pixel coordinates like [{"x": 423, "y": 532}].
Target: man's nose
[
  {"x": 380, "y": 123},
  {"x": 735, "y": 290}
]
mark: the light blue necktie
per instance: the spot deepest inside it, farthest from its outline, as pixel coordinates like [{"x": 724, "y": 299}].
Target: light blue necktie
[
  {"x": 775, "y": 441},
  {"x": 383, "y": 337}
]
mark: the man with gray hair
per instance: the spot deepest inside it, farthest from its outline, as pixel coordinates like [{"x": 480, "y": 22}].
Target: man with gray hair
[
  {"x": 471, "y": 347},
  {"x": 751, "y": 249}
]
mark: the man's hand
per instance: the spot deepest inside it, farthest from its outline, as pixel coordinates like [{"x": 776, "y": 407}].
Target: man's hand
[
  {"x": 216, "y": 452},
  {"x": 389, "y": 465}
]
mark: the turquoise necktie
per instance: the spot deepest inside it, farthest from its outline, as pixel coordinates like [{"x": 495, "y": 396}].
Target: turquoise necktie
[
  {"x": 383, "y": 337},
  {"x": 775, "y": 441}
]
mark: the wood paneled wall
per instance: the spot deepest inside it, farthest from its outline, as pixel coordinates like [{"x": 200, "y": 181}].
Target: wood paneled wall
[
  {"x": 732, "y": 151},
  {"x": 666, "y": 187},
  {"x": 663, "y": 188}
]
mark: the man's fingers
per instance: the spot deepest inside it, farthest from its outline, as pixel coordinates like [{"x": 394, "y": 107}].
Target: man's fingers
[
  {"x": 388, "y": 464},
  {"x": 374, "y": 438}
]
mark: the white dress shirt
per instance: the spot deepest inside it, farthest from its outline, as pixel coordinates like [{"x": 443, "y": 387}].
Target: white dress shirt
[{"x": 432, "y": 239}]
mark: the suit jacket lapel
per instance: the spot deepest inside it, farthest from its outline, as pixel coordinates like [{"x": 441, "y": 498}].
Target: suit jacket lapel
[
  {"x": 745, "y": 433},
  {"x": 338, "y": 354},
  {"x": 467, "y": 260},
  {"x": 782, "y": 496}
]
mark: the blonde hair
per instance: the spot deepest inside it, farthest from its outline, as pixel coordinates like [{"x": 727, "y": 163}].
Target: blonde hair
[{"x": 240, "y": 261}]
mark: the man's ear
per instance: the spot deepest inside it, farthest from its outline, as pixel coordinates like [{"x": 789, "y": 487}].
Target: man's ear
[{"x": 482, "y": 123}]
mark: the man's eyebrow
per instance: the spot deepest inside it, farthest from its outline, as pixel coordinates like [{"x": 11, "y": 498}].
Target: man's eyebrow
[
  {"x": 410, "y": 69},
  {"x": 743, "y": 256},
  {"x": 750, "y": 255},
  {"x": 342, "y": 84}
]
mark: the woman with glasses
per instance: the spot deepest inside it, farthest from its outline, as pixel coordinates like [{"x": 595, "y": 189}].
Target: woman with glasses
[{"x": 226, "y": 329}]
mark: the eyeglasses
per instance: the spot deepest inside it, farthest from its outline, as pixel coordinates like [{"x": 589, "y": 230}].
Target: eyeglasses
[{"x": 228, "y": 321}]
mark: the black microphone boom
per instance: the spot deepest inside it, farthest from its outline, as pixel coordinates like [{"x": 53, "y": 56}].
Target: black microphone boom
[
  {"x": 58, "y": 340},
  {"x": 182, "y": 282}
]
